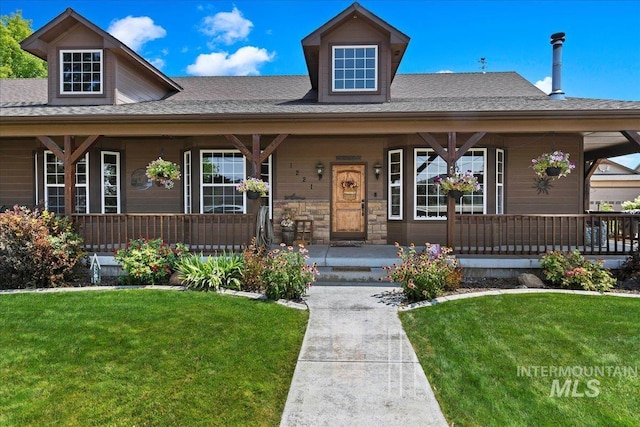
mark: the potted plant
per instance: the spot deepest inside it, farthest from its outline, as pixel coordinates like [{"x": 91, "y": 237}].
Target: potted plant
[
  {"x": 254, "y": 187},
  {"x": 163, "y": 172},
  {"x": 288, "y": 229},
  {"x": 554, "y": 164},
  {"x": 457, "y": 184}
]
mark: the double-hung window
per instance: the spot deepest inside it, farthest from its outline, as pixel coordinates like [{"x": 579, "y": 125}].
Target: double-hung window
[
  {"x": 355, "y": 68},
  {"x": 221, "y": 171},
  {"x": 430, "y": 201},
  {"x": 81, "y": 71},
  {"x": 54, "y": 184}
]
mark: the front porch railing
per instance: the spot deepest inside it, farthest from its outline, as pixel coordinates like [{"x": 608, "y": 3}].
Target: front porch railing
[
  {"x": 200, "y": 232},
  {"x": 592, "y": 234}
]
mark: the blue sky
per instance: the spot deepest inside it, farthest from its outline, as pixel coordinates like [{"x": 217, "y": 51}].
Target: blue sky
[{"x": 601, "y": 56}]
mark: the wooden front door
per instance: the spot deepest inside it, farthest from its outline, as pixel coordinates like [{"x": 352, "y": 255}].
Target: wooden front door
[{"x": 348, "y": 212}]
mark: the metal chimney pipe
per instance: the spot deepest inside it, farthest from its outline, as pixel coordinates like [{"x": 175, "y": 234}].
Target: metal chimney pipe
[{"x": 557, "y": 40}]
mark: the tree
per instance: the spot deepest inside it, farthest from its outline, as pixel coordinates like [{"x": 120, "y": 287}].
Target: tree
[{"x": 15, "y": 62}]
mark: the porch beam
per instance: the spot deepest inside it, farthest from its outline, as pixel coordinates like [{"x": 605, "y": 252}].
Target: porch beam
[
  {"x": 473, "y": 140},
  {"x": 429, "y": 139},
  {"x": 632, "y": 136},
  {"x": 51, "y": 145},
  {"x": 273, "y": 146},
  {"x": 233, "y": 140},
  {"x": 83, "y": 148},
  {"x": 617, "y": 150}
]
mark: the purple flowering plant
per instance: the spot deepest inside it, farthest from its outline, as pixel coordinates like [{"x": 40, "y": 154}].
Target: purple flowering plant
[{"x": 557, "y": 159}]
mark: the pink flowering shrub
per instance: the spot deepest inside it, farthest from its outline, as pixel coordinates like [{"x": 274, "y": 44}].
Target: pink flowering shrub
[
  {"x": 425, "y": 275},
  {"x": 573, "y": 270},
  {"x": 286, "y": 273},
  {"x": 148, "y": 262}
]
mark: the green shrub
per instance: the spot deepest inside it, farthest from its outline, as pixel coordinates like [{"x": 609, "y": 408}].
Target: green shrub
[
  {"x": 286, "y": 274},
  {"x": 211, "y": 273},
  {"x": 425, "y": 275},
  {"x": 148, "y": 261},
  {"x": 38, "y": 249},
  {"x": 573, "y": 270}
]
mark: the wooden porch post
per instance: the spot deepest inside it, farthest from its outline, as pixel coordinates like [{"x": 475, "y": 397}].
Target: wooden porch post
[
  {"x": 451, "y": 202},
  {"x": 69, "y": 156},
  {"x": 69, "y": 175}
]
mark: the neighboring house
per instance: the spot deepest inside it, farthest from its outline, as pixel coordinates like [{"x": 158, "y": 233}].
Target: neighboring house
[
  {"x": 611, "y": 184},
  {"x": 79, "y": 141}
]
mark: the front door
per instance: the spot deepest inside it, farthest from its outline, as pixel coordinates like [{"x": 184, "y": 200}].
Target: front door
[{"x": 348, "y": 213}]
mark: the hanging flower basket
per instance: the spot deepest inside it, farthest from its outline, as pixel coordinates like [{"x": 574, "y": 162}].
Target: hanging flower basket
[
  {"x": 254, "y": 188},
  {"x": 163, "y": 172},
  {"x": 459, "y": 183},
  {"x": 554, "y": 164},
  {"x": 455, "y": 194}
]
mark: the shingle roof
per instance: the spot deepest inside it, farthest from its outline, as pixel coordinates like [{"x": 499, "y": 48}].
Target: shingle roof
[{"x": 287, "y": 95}]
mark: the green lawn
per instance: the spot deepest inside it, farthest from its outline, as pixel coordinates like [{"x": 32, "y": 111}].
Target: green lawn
[
  {"x": 472, "y": 349},
  {"x": 142, "y": 357}
]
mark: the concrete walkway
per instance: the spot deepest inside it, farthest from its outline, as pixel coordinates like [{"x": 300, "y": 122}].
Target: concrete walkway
[{"x": 356, "y": 366}]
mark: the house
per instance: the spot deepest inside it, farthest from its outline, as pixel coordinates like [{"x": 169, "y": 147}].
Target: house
[
  {"x": 78, "y": 142},
  {"x": 611, "y": 184}
]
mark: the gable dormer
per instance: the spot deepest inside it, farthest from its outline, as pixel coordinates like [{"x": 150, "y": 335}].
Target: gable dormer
[
  {"x": 88, "y": 66},
  {"x": 354, "y": 57}
]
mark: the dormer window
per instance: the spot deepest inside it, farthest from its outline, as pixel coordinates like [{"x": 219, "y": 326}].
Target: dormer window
[
  {"x": 81, "y": 72},
  {"x": 355, "y": 68}
]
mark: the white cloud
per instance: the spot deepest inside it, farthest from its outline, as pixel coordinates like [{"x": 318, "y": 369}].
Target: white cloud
[
  {"x": 135, "y": 31},
  {"x": 227, "y": 27},
  {"x": 544, "y": 85},
  {"x": 444, "y": 72},
  {"x": 245, "y": 61},
  {"x": 159, "y": 63}
]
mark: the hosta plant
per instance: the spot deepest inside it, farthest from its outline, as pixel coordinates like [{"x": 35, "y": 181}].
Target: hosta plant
[{"x": 210, "y": 273}]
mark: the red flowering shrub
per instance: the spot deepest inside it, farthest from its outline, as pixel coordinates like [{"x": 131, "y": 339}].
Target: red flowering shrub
[{"x": 38, "y": 249}]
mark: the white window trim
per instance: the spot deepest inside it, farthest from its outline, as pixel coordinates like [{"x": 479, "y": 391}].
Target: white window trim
[
  {"x": 398, "y": 185},
  {"x": 269, "y": 195},
  {"x": 188, "y": 191},
  {"x": 415, "y": 185},
  {"x": 102, "y": 195},
  {"x": 61, "y": 77},
  {"x": 333, "y": 70},
  {"x": 44, "y": 180},
  {"x": 500, "y": 186}
]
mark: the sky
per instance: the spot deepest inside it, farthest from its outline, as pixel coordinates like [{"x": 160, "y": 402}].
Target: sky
[{"x": 601, "y": 55}]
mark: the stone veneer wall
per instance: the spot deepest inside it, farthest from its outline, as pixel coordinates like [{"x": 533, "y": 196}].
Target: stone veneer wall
[{"x": 320, "y": 212}]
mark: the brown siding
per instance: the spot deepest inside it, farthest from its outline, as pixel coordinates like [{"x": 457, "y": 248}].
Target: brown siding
[
  {"x": 354, "y": 32},
  {"x": 131, "y": 87},
  {"x": 566, "y": 195},
  {"x": 16, "y": 172}
]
